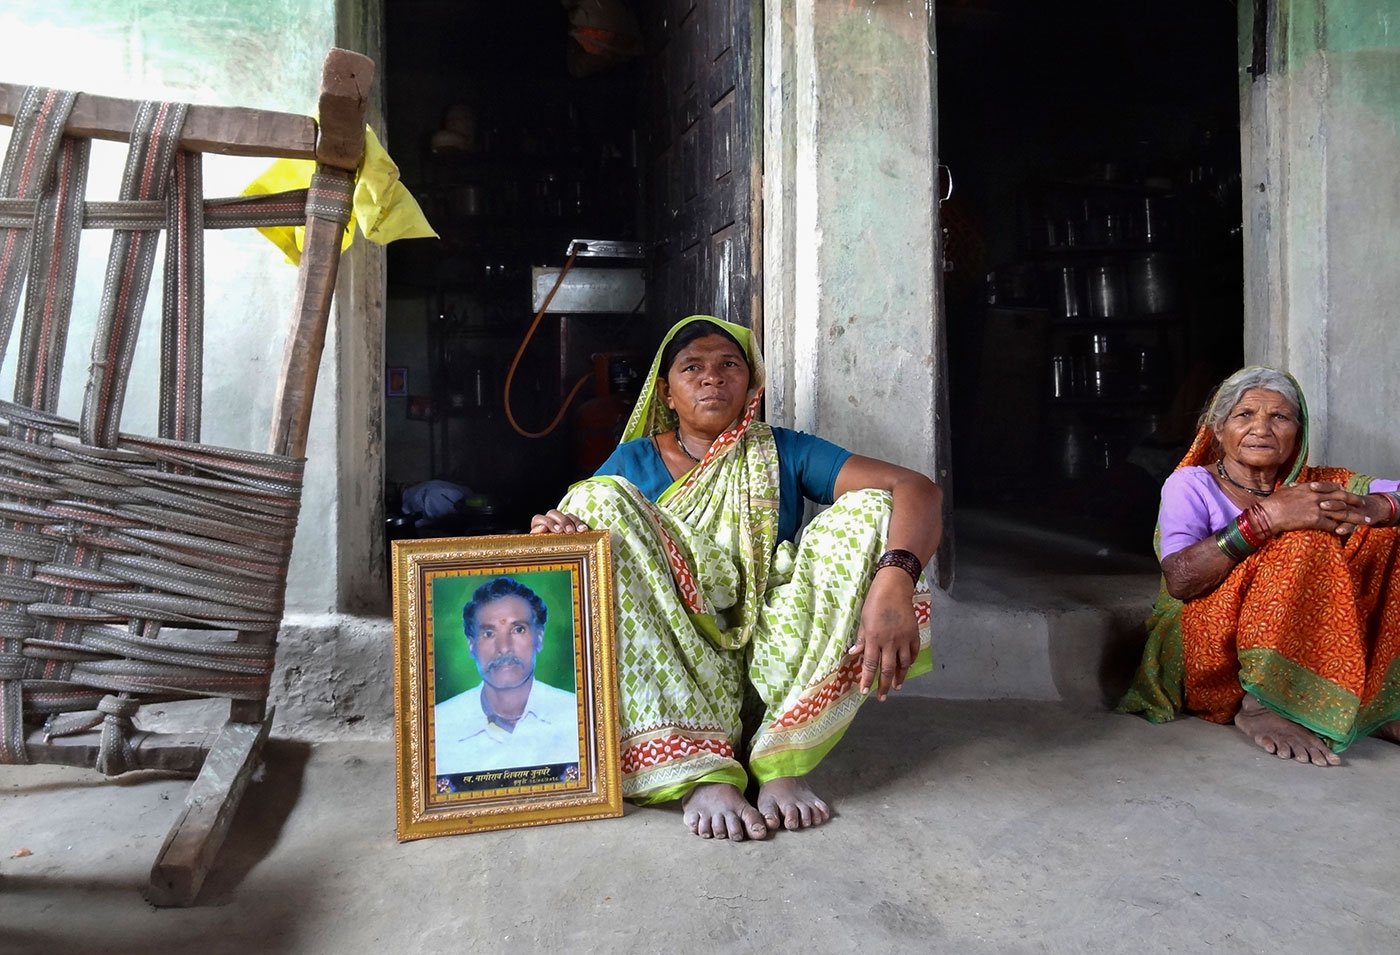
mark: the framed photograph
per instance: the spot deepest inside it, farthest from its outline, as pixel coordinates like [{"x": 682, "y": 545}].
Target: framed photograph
[
  {"x": 505, "y": 683},
  {"x": 396, "y": 381}
]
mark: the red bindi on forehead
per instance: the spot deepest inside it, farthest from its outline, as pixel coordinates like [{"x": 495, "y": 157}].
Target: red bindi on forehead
[{"x": 508, "y": 610}]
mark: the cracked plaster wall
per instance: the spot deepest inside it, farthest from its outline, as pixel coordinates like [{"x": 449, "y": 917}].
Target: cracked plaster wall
[
  {"x": 1321, "y": 137},
  {"x": 851, "y": 283}
]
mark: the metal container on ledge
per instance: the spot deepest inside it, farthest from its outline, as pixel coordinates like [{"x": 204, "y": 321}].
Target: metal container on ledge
[
  {"x": 1106, "y": 299},
  {"x": 1069, "y": 297},
  {"x": 1151, "y": 284}
]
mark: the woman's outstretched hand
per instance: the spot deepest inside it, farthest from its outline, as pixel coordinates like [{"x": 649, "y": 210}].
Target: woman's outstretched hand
[
  {"x": 556, "y": 522},
  {"x": 888, "y": 638}
]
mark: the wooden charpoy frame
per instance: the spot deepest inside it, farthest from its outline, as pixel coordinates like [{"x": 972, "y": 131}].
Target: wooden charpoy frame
[
  {"x": 429, "y": 575},
  {"x": 146, "y": 569}
]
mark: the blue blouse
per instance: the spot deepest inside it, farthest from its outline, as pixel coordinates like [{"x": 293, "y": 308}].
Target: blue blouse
[{"x": 807, "y": 469}]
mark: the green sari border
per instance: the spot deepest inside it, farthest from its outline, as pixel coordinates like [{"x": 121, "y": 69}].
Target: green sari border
[
  {"x": 800, "y": 762},
  {"x": 733, "y": 775},
  {"x": 1290, "y": 689},
  {"x": 1384, "y": 706}
]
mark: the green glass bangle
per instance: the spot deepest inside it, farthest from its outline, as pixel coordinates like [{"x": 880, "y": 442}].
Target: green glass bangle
[{"x": 1232, "y": 542}]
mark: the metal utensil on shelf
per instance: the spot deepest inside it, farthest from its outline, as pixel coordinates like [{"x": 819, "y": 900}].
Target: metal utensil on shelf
[
  {"x": 1151, "y": 284},
  {"x": 1148, "y": 370},
  {"x": 1069, "y": 298},
  {"x": 1070, "y": 446},
  {"x": 1105, "y": 291},
  {"x": 1101, "y": 365},
  {"x": 1153, "y": 228}
]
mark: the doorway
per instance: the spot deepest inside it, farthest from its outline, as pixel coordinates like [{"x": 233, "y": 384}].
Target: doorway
[
  {"x": 1094, "y": 274},
  {"x": 522, "y": 127}
]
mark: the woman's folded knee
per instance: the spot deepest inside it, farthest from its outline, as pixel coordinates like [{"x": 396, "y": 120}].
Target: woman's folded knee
[{"x": 596, "y": 501}]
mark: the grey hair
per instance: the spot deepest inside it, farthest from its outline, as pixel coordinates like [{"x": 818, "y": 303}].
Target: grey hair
[{"x": 1232, "y": 389}]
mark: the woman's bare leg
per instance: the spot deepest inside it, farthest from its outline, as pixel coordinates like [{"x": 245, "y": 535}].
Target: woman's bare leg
[{"x": 1389, "y": 731}]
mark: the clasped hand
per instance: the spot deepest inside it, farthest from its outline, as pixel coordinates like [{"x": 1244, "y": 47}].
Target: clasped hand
[{"x": 1321, "y": 505}]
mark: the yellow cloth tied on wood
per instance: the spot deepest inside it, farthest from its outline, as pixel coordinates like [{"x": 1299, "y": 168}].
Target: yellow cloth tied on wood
[{"x": 383, "y": 207}]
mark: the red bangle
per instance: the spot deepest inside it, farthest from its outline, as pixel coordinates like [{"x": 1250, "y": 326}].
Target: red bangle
[
  {"x": 1259, "y": 522},
  {"x": 1250, "y": 535},
  {"x": 1394, "y": 506}
]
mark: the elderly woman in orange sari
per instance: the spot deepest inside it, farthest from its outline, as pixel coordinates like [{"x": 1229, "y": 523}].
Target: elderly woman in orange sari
[{"x": 1280, "y": 603}]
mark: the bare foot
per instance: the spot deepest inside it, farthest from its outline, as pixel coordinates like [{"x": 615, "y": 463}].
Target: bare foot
[
  {"x": 1282, "y": 737},
  {"x": 720, "y": 811},
  {"x": 789, "y": 803},
  {"x": 1390, "y": 731}
]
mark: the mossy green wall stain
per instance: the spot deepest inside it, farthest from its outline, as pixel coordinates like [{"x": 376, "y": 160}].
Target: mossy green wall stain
[
  {"x": 1360, "y": 40},
  {"x": 876, "y": 155},
  {"x": 1336, "y": 26},
  {"x": 264, "y": 54},
  {"x": 1354, "y": 25}
]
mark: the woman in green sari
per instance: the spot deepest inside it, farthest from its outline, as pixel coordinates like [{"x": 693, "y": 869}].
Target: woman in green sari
[{"x": 720, "y": 615}]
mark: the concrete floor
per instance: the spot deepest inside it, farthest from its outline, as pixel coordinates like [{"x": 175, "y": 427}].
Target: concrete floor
[{"x": 961, "y": 827}]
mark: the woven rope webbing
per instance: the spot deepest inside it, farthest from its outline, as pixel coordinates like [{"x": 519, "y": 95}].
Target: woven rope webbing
[
  {"x": 27, "y": 171},
  {"x": 154, "y": 139},
  {"x": 182, "y": 325},
  {"x": 125, "y": 561}
]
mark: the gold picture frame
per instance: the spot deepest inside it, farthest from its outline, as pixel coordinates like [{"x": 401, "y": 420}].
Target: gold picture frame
[{"x": 540, "y": 612}]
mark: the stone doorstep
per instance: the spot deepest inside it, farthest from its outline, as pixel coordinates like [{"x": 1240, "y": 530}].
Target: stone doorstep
[
  {"x": 334, "y": 677},
  {"x": 334, "y": 681},
  {"x": 1072, "y": 652}
]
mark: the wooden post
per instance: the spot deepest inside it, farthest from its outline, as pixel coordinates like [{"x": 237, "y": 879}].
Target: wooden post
[
  {"x": 344, "y": 99},
  {"x": 345, "y": 82},
  {"x": 199, "y": 831}
]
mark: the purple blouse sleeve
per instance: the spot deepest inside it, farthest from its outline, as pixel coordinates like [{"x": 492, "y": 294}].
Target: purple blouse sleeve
[
  {"x": 1384, "y": 486},
  {"x": 1187, "y": 514}
]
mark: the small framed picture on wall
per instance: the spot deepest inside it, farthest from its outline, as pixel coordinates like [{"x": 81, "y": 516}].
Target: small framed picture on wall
[{"x": 396, "y": 381}]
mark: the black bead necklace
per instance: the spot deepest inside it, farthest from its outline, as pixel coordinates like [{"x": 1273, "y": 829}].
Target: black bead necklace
[
  {"x": 684, "y": 450},
  {"x": 1225, "y": 475}
]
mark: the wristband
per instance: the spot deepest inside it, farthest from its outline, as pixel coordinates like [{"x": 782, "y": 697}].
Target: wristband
[{"x": 905, "y": 560}]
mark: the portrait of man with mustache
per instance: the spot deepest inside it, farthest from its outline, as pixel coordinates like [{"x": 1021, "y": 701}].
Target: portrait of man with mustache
[{"x": 511, "y": 719}]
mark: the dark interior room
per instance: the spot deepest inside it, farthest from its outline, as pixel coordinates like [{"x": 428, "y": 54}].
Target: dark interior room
[
  {"x": 516, "y": 140},
  {"x": 1093, "y": 266},
  {"x": 1092, "y": 249},
  {"x": 589, "y": 168}
]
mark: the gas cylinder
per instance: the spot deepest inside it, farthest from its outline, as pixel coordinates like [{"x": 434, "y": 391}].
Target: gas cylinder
[{"x": 599, "y": 421}]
